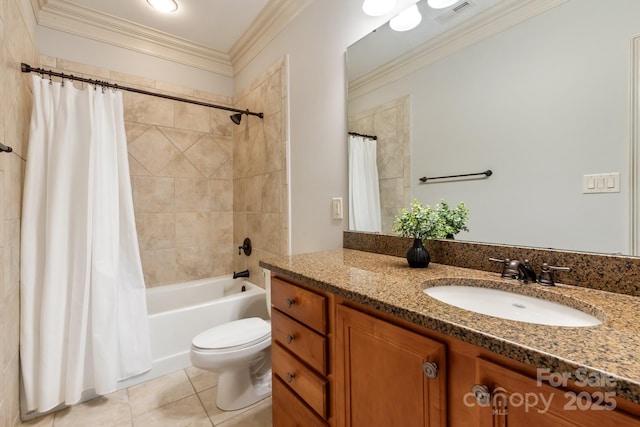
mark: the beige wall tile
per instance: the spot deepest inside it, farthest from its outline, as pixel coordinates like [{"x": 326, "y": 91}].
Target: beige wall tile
[
  {"x": 223, "y": 256},
  {"x": 153, "y": 150},
  {"x": 181, "y": 167},
  {"x": 192, "y": 117},
  {"x": 193, "y": 228},
  {"x": 152, "y": 194},
  {"x": 156, "y": 230},
  {"x": 159, "y": 266},
  {"x": 181, "y": 138},
  {"x": 193, "y": 262},
  {"x": 192, "y": 195},
  {"x": 134, "y": 130},
  {"x": 207, "y": 155},
  {"x": 221, "y": 227},
  {"x": 13, "y": 175},
  {"x": 11, "y": 256},
  {"x": 221, "y": 124},
  {"x": 221, "y": 195},
  {"x": 148, "y": 110},
  {"x": 136, "y": 169},
  {"x": 176, "y": 89}
]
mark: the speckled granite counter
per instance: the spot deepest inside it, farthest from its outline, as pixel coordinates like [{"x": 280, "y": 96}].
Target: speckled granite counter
[{"x": 386, "y": 283}]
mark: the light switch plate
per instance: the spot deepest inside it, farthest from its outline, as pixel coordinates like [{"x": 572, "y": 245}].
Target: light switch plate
[
  {"x": 336, "y": 208},
  {"x": 601, "y": 183}
]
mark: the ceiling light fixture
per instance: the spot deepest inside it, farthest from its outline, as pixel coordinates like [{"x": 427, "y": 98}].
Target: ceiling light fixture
[
  {"x": 406, "y": 20},
  {"x": 441, "y": 4},
  {"x": 378, "y": 7},
  {"x": 164, "y": 6}
]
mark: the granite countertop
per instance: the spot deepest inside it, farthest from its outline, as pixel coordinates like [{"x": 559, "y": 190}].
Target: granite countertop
[{"x": 608, "y": 351}]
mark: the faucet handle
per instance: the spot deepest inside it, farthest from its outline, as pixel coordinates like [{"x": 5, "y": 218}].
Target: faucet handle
[
  {"x": 545, "y": 278},
  {"x": 510, "y": 269}
]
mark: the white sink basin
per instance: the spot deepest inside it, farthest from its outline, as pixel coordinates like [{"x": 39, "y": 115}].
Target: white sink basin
[{"x": 511, "y": 306}]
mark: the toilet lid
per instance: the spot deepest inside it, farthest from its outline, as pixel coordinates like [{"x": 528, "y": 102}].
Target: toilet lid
[{"x": 233, "y": 334}]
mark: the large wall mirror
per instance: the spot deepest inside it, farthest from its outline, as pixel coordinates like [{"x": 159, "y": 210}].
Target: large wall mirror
[{"x": 541, "y": 93}]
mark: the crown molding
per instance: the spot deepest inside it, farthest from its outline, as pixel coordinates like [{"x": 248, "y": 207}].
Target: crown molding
[
  {"x": 273, "y": 18},
  {"x": 66, "y": 16},
  {"x": 487, "y": 23}
]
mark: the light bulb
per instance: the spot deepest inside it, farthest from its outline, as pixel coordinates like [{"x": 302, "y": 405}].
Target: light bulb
[
  {"x": 378, "y": 7},
  {"x": 441, "y": 4},
  {"x": 407, "y": 19},
  {"x": 164, "y": 6}
]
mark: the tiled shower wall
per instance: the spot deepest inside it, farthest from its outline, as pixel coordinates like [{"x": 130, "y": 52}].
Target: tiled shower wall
[
  {"x": 390, "y": 123},
  {"x": 181, "y": 165},
  {"x": 16, "y": 45},
  {"x": 260, "y": 200}
]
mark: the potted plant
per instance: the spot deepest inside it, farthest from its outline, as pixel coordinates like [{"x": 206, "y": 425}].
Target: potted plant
[
  {"x": 455, "y": 220},
  {"x": 420, "y": 222}
]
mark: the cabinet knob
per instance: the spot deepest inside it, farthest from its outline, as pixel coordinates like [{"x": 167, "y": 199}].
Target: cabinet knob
[
  {"x": 430, "y": 369},
  {"x": 289, "y": 339},
  {"x": 482, "y": 394},
  {"x": 289, "y": 302},
  {"x": 289, "y": 377}
]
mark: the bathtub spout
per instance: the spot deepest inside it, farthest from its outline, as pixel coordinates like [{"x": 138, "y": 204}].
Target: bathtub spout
[{"x": 241, "y": 274}]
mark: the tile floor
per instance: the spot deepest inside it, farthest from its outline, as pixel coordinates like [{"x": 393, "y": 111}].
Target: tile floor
[{"x": 182, "y": 398}]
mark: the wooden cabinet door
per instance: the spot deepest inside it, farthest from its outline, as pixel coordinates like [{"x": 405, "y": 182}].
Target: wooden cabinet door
[
  {"x": 518, "y": 400},
  {"x": 380, "y": 380}
]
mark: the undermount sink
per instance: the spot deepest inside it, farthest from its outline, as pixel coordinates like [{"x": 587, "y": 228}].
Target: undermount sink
[{"x": 511, "y": 306}]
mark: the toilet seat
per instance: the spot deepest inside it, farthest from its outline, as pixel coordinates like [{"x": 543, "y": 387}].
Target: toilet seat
[{"x": 234, "y": 335}]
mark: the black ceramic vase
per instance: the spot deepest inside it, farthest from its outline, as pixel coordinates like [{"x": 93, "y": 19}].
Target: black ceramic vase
[{"x": 417, "y": 256}]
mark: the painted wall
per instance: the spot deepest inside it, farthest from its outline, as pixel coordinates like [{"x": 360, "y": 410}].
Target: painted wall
[
  {"x": 499, "y": 105},
  {"x": 316, "y": 42}
]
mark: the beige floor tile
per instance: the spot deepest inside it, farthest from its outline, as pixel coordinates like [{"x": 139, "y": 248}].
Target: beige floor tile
[
  {"x": 202, "y": 379},
  {"x": 217, "y": 415},
  {"x": 46, "y": 421},
  {"x": 258, "y": 415},
  {"x": 159, "y": 392},
  {"x": 186, "y": 412},
  {"x": 105, "y": 411}
]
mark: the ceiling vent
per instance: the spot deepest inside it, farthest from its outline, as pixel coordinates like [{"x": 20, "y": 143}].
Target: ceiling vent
[{"x": 457, "y": 10}]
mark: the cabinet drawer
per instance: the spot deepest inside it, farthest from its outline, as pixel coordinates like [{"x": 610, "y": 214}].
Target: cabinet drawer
[
  {"x": 311, "y": 387},
  {"x": 300, "y": 340},
  {"x": 290, "y": 411},
  {"x": 301, "y": 304}
]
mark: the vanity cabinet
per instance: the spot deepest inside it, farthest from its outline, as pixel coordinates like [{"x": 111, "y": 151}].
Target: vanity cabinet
[
  {"x": 341, "y": 364},
  {"x": 387, "y": 375},
  {"x": 504, "y": 397},
  {"x": 300, "y": 353}
]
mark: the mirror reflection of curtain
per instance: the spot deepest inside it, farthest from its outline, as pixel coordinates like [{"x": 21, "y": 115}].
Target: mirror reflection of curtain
[{"x": 364, "y": 192}]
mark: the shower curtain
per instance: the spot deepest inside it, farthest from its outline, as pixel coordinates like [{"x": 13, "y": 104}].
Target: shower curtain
[
  {"x": 83, "y": 311},
  {"x": 364, "y": 193}
]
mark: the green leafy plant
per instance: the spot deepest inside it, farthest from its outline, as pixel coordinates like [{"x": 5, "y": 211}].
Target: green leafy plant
[
  {"x": 455, "y": 220},
  {"x": 425, "y": 222},
  {"x": 419, "y": 221}
]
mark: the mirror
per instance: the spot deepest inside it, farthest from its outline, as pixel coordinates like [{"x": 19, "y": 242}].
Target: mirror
[{"x": 542, "y": 103}]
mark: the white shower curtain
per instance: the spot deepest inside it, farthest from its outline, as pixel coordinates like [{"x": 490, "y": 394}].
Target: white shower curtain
[
  {"x": 364, "y": 193},
  {"x": 83, "y": 311}
]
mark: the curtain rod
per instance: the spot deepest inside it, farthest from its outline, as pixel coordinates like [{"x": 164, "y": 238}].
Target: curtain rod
[
  {"x": 486, "y": 173},
  {"x": 29, "y": 69},
  {"x": 363, "y": 135}
]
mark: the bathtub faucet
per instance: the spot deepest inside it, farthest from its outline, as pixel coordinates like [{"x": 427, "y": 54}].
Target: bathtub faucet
[{"x": 241, "y": 274}]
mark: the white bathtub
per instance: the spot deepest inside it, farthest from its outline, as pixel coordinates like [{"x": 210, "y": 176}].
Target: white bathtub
[{"x": 179, "y": 312}]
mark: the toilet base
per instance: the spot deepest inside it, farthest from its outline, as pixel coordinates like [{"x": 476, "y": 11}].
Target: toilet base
[{"x": 239, "y": 388}]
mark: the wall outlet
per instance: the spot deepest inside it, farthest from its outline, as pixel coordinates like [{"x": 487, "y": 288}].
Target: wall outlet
[{"x": 336, "y": 208}]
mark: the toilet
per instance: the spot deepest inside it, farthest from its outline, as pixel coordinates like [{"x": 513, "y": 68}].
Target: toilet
[{"x": 240, "y": 352}]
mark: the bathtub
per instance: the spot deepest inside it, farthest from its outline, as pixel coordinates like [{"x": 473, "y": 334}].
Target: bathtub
[{"x": 179, "y": 312}]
